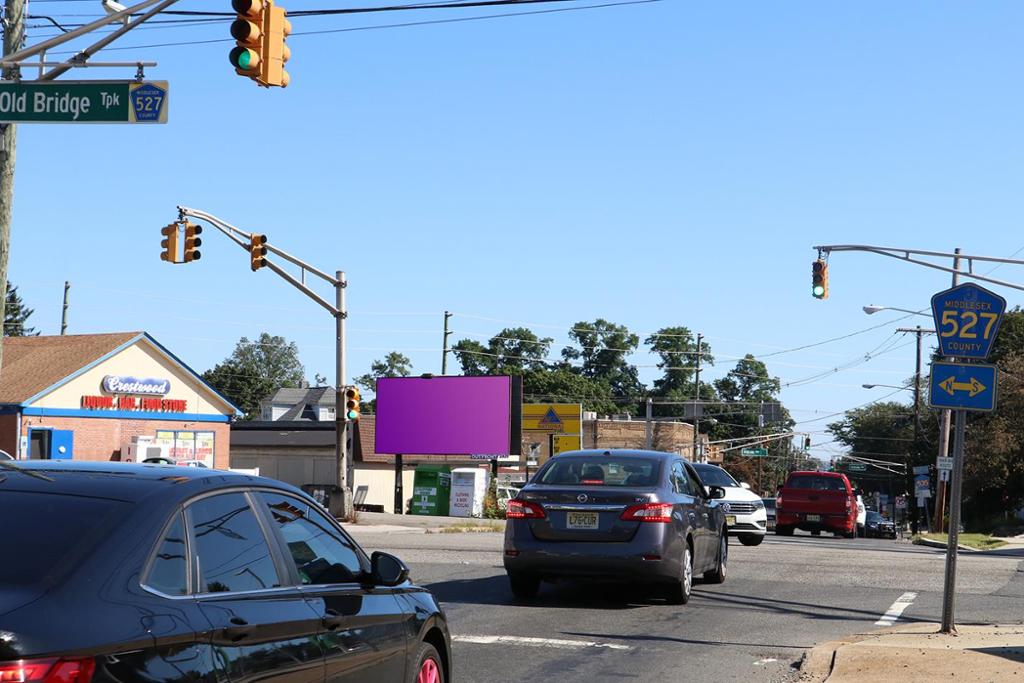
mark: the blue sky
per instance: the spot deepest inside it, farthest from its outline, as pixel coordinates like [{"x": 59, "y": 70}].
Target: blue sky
[{"x": 668, "y": 163}]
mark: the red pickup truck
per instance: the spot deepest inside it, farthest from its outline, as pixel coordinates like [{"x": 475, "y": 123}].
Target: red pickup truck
[{"x": 816, "y": 502}]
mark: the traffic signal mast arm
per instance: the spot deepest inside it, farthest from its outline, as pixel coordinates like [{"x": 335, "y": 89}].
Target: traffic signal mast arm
[
  {"x": 906, "y": 255},
  {"x": 246, "y": 239}
]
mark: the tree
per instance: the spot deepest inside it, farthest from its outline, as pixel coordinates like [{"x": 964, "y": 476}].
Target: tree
[
  {"x": 602, "y": 349},
  {"x": 16, "y": 314},
  {"x": 562, "y": 385},
  {"x": 255, "y": 370},
  {"x": 394, "y": 364},
  {"x": 513, "y": 351},
  {"x": 677, "y": 349}
]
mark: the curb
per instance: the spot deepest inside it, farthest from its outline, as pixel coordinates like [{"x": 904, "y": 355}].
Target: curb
[{"x": 939, "y": 544}]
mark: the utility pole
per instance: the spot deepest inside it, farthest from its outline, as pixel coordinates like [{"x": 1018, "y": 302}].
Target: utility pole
[
  {"x": 696, "y": 401},
  {"x": 917, "y": 449},
  {"x": 64, "y": 311},
  {"x": 444, "y": 352},
  {"x": 649, "y": 428},
  {"x": 14, "y": 36}
]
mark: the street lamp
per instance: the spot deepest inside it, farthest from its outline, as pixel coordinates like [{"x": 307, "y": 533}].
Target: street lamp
[
  {"x": 888, "y": 386},
  {"x": 871, "y": 309}
]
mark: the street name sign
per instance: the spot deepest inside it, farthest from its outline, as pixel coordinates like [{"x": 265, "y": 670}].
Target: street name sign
[
  {"x": 857, "y": 467},
  {"x": 944, "y": 463},
  {"x": 754, "y": 452},
  {"x": 83, "y": 102},
  {"x": 967, "y": 319},
  {"x": 963, "y": 386}
]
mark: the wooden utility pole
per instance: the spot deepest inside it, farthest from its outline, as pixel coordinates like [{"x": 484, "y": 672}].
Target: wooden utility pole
[{"x": 14, "y": 36}]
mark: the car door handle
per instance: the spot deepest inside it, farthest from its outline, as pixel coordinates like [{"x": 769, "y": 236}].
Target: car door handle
[
  {"x": 332, "y": 620},
  {"x": 240, "y": 629}
]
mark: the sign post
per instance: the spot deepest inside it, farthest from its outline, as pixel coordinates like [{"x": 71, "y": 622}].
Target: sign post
[{"x": 967, "y": 318}]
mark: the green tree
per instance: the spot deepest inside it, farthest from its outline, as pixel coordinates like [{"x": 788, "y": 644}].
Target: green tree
[
  {"x": 562, "y": 385},
  {"x": 513, "y": 351},
  {"x": 394, "y": 364},
  {"x": 16, "y": 315},
  {"x": 677, "y": 349},
  {"x": 603, "y": 349},
  {"x": 255, "y": 370}
]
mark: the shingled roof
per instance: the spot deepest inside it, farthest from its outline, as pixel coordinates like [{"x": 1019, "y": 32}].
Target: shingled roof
[{"x": 33, "y": 364}]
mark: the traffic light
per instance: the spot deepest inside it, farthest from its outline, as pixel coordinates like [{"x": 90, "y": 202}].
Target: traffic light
[
  {"x": 819, "y": 279},
  {"x": 352, "y": 404},
  {"x": 169, "y": 243},
  {"x": 257, "y": 251},
  {"x": 807, "y": 442},
  {"x": 192, "y": 242},
  {"x": 260, "y": 30}
]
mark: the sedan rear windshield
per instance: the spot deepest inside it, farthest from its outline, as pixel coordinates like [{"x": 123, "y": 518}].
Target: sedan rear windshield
[
  {"x": 816, "y": 482},
  {"x": 600, "y": 471},
  {"x": 45, "y": 533}
]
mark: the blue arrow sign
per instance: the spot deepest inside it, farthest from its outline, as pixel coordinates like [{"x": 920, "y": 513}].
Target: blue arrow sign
[
  {"x": 967, "y": 319},
  {"x": 963, "y": 386}
]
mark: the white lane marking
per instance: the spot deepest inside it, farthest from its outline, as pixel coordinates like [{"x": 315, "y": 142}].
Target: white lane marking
[
  {"x": 896, "y": 609},
  {"x": 762, "y": 662},
  {"x": 537, "y": 642}
]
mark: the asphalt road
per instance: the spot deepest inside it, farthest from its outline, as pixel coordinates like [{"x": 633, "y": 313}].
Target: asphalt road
[{"x": 780, "y": 599}]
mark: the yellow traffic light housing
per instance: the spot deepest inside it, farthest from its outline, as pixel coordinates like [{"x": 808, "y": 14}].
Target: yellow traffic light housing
[
  {"x": 192, "y": 242},
  {"x": 352, "y": 405},
  {"x": 260, "y": 30},
  {"x": 819, "y": 279},
  {"x": 257, "y": 251},
  {"x": 169, "y": 243}
]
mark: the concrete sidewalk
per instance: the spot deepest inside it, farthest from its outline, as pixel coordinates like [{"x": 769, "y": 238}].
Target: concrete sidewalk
[
  {"x": 913, "y": 653},
  {"x": 385, "y": 522}
]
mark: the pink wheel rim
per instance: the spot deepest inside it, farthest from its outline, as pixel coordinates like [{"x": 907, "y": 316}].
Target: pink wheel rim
[{"x": 429, "y": 673}]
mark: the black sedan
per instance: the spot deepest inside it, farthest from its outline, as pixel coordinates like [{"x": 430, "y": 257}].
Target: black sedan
[
  {"x": 131, "y": 572},
  {"x": 638, "y": 516},
  {"x": 877, "y": 526}
]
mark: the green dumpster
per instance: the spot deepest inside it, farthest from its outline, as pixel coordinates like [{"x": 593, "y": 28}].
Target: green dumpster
[{"x": 431, "y": 490}]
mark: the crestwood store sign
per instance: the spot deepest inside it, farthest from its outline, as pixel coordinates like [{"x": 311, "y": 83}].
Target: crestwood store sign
[{"x": 132, "y": 393}]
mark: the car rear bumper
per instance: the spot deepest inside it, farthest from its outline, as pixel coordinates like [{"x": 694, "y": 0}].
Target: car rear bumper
[
  {"x": 653, "y": 554},
  {"x": 826, "y": 522}
]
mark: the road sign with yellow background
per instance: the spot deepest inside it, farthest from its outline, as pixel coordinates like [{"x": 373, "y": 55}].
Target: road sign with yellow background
[
  {"x": 552, "y": 418},
  {"x": 565, "y": 442}
]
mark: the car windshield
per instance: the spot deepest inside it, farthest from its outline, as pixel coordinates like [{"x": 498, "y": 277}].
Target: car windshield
[
  {"x": 45, "y": 532},
  {"x": 714, "y": 476},
  {"x": 598, "y": 470},
  {"x": 875, "y": 517},
  {"x": 816, "y": 482}
]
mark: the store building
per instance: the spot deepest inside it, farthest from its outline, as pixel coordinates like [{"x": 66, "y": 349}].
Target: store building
[{"x": 108, "y": 397}]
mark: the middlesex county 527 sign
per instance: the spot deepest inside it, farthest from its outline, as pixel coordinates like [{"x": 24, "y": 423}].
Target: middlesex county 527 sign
[{"x": 83, "y": 102}]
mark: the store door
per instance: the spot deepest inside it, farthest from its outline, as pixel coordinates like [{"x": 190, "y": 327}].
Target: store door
[{"x": 50, "y": 444}]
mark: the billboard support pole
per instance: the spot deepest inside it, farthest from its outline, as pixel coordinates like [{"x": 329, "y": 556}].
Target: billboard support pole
[{"x": 399, "y": 507}]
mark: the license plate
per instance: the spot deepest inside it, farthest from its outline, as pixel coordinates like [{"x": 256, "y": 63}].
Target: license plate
[
  {"x": 730, "y": 520},
  {"x": 813, "y": 518},
  {"x": 582, "y": 520}
]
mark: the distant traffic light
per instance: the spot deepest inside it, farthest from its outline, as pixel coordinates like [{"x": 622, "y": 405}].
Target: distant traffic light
[
  {"x": 819, "y": 279},
  {"x": 257, "y": 251},
  {"x": 260, "y": 30},
  {"x": 169, "y": 243},
  {"x": 192, "y": 242},
  {"x": 352, "y": 405},
  {"x": 807, "y": 442}
]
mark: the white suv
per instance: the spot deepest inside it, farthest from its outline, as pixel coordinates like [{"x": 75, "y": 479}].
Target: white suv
[{"x": 744, "y": 510}]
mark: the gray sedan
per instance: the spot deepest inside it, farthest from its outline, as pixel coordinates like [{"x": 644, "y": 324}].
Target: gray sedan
[{"x": 637, "y": 516}]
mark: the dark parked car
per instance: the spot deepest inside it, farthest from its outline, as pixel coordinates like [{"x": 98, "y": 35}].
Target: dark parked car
[
  {"x": 640, "y": 516},
  {"x": 769, "y": 508},
  {"x": 132, "y": 572},
  {"x": 878, "y": 526}
]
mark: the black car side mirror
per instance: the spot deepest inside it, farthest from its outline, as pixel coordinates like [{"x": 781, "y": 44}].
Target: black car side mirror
[
  {"x": 387, "y": 570},
  {"x": 716, "y": 492}
]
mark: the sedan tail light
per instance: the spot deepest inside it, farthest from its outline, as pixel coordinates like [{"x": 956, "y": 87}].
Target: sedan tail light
[
  {"x": 648, "y": 512},
  {"x": 48, "y": 670},
  {"x": 522, "y": 509}
]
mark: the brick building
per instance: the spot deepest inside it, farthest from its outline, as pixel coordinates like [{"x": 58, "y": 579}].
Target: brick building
[{"x": 96, "y": 396}]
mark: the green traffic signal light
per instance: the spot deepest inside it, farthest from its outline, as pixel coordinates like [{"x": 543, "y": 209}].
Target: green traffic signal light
[
  {"x": 244, "y": 58},
  {"x": 818, "y": 290}
]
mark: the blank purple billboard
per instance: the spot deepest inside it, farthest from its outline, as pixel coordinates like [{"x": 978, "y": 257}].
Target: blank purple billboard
[{"x": 444, "y": 415}]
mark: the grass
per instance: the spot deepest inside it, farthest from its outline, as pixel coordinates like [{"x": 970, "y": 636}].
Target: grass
[
  {"x": 976, "y": 541},
  {"x": 469, "y": 528}
]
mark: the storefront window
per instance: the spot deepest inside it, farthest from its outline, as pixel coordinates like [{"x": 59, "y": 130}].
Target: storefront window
[{"x": 188, "y": 445}]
